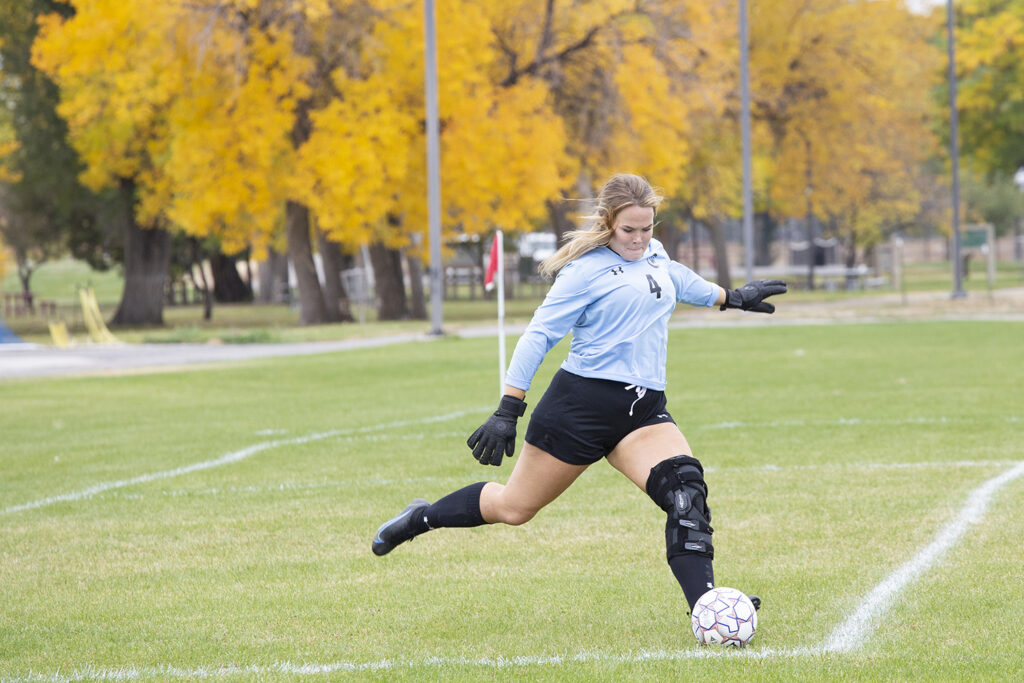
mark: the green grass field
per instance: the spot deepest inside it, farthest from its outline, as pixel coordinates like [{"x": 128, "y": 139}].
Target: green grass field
[{"x": 215, "y": 523}]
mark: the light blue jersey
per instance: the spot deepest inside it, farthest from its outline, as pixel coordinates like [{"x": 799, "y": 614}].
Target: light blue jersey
[{"x": 618, "y": 313}]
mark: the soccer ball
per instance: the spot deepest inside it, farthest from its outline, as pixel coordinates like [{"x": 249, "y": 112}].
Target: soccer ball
[{"x": 724, "y": 616}]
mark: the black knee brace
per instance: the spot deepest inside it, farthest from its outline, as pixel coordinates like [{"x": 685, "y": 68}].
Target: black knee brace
[{"x": 677, "y": 486}]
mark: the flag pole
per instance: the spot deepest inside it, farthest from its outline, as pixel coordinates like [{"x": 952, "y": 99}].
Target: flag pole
[{"x": 499, "y": 240}]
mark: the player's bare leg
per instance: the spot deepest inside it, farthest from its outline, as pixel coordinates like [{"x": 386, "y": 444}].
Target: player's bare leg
[
  {"x": 644, "y": 448},
  {"x": 536, "y": 480}
]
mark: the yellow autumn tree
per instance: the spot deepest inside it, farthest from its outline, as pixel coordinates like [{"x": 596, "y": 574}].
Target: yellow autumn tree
[
  {"x": 230, "y": 156},
  {"x": 189, "y": 117},
  {"x": 504, "y": 145},
  {"x": 228, "y": 117},
  {"x": 842, "y": 89},
  {"x": 537, "y": 103},
  {"x": 352, "y": 163},
  {"x": 619, "y": 76},
  {"x": 254, "y": 73},
  {"x": 501, "y": 147},
  {"x": 201, "y": 111},
  {"x": 118, "y": 71},
  {"x": 697, "y": 45}
]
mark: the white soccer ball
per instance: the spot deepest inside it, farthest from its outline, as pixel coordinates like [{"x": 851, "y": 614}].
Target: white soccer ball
[{"x": 724, "y": 616}]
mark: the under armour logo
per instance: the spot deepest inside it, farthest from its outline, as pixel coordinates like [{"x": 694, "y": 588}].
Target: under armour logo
[{"x": 617, "y": 270}]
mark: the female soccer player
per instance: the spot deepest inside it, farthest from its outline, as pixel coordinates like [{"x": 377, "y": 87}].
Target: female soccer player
[{"x": 615, "y": 290}]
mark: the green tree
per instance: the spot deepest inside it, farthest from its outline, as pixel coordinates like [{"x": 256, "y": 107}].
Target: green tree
[
  {"x": 44, "y": 210},
  {"x": 993, "y": 199},
  {"x": 990, "y": 73}
]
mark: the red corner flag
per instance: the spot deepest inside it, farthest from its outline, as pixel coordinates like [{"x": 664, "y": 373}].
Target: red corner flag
[{"x": 492, "y": 266}]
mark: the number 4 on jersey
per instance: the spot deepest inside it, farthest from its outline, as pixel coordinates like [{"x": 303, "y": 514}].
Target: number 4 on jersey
[{"x": 655, "y": 287}]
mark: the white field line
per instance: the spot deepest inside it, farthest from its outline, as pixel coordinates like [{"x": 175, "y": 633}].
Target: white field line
[
  {"x": 847, "y": 637},
  {"x": 226, "y": 459},
  {"x": 134, "y": 673},
  {"x": 849, "y": 422},
  {"x": 852, "y": 633},
  {"x": 864, "y": 466}
]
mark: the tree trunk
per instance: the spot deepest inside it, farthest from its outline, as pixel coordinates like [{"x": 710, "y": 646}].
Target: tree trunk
[
  {"x": 419, "y": 302},
  {"x": 228, "y": 285},
  {"x": 695, "y": 244},
  {"x": 871, "y": 256},
  {"x": 765, "y": 229},
  {"x": 387, "y": 272},
  {"x": 25, "y": 270},
  {"x": 339, "y": 308},
  {"x": 1018, "y": 244},
  {"x": 147, "y": 255},
  {"x": 717, "y": 231},
  {"x": 812, "y": 250},
  {"x": 312, "y": 310},
  {"x": 273, "y": 278},
  {"x": 851, "y": 254},
  {"x": 561, "y": 222},
  {"x": 265, "y": 278},
  {"x": 851, "y": 250},
  {"x": 670, "y": 236},
  {"x": 346, "y": 261},
  {"x": 201, "y": 284}
]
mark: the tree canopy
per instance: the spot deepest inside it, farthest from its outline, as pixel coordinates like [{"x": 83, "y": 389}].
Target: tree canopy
[
  {"x": 258, "y": 122},
  {"x": 990, "y": 72}
]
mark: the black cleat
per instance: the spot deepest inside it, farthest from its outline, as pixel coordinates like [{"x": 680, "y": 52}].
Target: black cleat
[
  {"x": 756, "y": 601},
  {"x": 399, "y": 529}
]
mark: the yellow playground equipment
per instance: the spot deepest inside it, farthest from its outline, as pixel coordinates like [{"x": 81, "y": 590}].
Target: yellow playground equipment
[{"x": 98, "y": 331}]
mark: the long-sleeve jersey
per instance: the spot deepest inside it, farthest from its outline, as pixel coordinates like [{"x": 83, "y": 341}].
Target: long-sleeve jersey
[{"x": 618, "y": 312}]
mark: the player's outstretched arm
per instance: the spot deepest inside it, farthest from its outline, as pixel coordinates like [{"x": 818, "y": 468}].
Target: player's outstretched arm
[{"x": 751, "y": 296}]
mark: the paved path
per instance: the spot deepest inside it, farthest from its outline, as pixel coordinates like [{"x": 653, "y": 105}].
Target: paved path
[
  {"x": 21, "y": 361},
  {"x": 39, "y": 361}
]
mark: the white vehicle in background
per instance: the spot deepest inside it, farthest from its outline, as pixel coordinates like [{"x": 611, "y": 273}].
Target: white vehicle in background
[{"x": 537, "y": 245}]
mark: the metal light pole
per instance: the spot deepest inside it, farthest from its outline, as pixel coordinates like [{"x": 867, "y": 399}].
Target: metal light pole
[
  {"x": 748, "y": 201},
  {"x": 433, "y": 166},
  {"x": 1018, "y": 247},
  {"x": 954, "y": 152}
]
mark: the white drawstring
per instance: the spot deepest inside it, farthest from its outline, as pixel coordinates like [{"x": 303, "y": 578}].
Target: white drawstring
[{"x": 640, "y": 393}]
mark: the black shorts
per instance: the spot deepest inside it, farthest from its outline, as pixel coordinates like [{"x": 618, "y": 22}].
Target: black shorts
[{"x": 580, "y": 420}]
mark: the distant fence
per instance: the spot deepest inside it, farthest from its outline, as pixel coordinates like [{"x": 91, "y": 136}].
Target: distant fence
[
  {"x": 467, "y": 282},
  {"x": 24, "y": 305}
]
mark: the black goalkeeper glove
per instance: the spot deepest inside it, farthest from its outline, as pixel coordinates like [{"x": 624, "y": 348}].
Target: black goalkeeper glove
[
  {"x": 498, "y": 434},
  {"x": 750, "y": 297}
]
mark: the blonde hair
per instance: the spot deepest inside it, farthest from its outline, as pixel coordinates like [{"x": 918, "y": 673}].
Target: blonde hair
[{"x": 620, "y": 192}]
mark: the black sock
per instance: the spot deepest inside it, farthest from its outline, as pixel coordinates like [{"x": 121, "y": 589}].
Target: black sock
[
  {"x": 458, "y": 509},
  {"x": 694, "y": 574}
]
